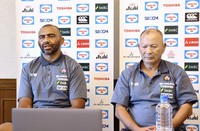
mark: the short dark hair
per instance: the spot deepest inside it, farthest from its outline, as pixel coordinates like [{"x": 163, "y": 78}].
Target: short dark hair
[{"x": 53, "y": 26}]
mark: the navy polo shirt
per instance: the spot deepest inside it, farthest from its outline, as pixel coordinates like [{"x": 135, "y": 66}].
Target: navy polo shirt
[
  {"x": 140, "y": 93},
  {"x": 52, "y": 84}
]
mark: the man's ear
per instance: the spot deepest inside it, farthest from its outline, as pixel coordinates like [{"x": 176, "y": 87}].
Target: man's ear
[
  {"x": 164, "y": 47},
  {"x": 62, "y": 41}
]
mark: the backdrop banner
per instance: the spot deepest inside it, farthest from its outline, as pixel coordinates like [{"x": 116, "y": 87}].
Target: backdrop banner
[
  {"x": 179, "y": 22},
  {"x": 88, "y": 29}
]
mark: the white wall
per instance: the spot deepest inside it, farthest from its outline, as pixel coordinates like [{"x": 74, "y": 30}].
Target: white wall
[{"x": 7, "y": 39}]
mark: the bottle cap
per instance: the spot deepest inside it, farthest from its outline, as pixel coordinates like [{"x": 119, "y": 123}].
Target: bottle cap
[{"x": 163, "y": 98}]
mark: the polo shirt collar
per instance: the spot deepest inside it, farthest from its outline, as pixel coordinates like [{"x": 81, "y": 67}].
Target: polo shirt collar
[
  {"x": 44, "y": 62},
  {"x": 162, "y": 67}
]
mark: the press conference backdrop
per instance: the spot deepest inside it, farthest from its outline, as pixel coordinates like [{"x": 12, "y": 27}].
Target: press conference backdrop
[
  {"x": 179, "y": 22},
  {"x": 87, "y": 27}
]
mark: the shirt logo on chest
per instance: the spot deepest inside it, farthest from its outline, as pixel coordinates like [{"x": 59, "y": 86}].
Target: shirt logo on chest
[
  {"x": 63, "y": 71},
  {"x": 62, "y": 82},
  {"x": 167, "y": 89},
  {"x": 167, "y": 78}
]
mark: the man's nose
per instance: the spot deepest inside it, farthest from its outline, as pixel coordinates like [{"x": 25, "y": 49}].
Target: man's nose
[
  {"x": 46, "y": 39},
  {"x": 148, "y": 49}
]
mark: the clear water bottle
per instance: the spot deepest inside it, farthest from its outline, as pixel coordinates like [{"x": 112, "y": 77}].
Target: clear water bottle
[{"x": 164, "y": 115}]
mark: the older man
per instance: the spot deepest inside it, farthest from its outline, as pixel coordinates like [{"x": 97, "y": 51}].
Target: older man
[{"x": 137, "y": 90}]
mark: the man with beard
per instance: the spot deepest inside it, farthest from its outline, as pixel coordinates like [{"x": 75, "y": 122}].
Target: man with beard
[{"x": 52, "y": 80}]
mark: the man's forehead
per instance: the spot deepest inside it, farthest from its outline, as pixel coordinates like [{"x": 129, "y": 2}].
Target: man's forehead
[
  {"x": 46, "y": 33},
  {"x": 48, "y": 30},
  {"x": 151, "y": 40}
]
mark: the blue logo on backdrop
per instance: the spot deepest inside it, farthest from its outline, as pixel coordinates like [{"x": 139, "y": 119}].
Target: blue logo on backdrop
[
  {"x": 83, "y": 31},
  {"x": 64, "y": 20},
  {"x": 194, "y": 78},
  {"x": 101, "y": 90},
  {"x": 192, "y": 4},
  {"x": 88, "y": 102},
  {"x": 196, "y": 105},
  {"x": 27, "y": 20},
  {"x": 191, "y": 54},
  {"x": 192, "y": 127},
  {"x": 46, "y": 8},
  {"x": 101, "y": 19},
  {"x": 151, "y": 6},
  {"x": 171, "y": 42},
  {"x": 105, "y": 114},
  {"x": 87, "y": 78},
  {"x": 82, "y": 8},
  {"x": 171, "y": 17},
  {"x": 66, "y": 44},
  {"x": 129, "y": 64},
  {"x": 132, "y": 18},
  {"x": 28, "y": 43},
  {"x": 131, "y": 42},
  {"x": 101, "y": 43},
  {"x": 83, "y": 55},
  {"x": 192, "y": 29},
  {"x": 102, "y": 67}
]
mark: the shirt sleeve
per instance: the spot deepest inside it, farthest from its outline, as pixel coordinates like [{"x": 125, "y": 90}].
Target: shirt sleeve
[
  {"x": 25, "y": 87},
  {"x": 184, "y": 89},
  {"x": 77, "y": 83},
  {"x": 121, "y": 92}
]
